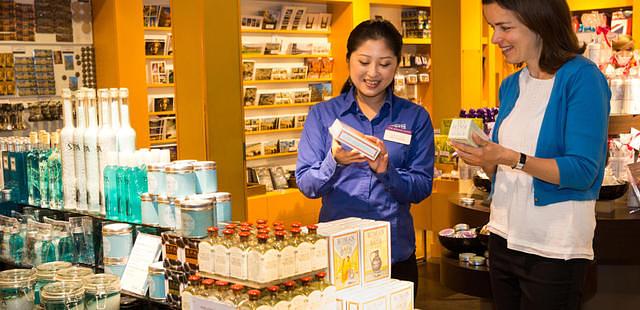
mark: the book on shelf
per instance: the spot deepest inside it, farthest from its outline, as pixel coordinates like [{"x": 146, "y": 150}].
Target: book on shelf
[
  {"x": 263, "y": 176},
  {"x": 249, "y": 97},
  {"x": 248, "y": 69},
  {"x": 278, "y": 178},
  {"x": 253, "y": 149}
]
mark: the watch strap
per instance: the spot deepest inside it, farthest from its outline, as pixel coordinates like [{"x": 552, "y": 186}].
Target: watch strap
[{"x": 521, "y": 162}]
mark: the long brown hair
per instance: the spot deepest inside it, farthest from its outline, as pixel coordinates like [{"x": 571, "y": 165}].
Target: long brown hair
[{"x": 551, "y": 20}]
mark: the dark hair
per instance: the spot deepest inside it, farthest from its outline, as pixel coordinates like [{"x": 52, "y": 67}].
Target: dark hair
[
  {"x": 373, "y": 30},
  {"x": 551, "y": 20}
]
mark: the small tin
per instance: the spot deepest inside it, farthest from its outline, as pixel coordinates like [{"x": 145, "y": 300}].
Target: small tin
[
  {"x": 461, "y": 227},
  {"x": 117, "y": 240},
  {"x": 166, "y": 212},
  {"x": 206, "y": 177},
  {"x": 465, "y": 257},
  {"x": 157, "y": 179},
  {"x": 196, "y": 217},
  {"x": 115, "y": 266},
  {"x": 211, "y": 197},
  {"x": 181, "y": 180},
  {"x": 223, "y": 207},
  {"x": 102, "y": 292},
  {"x": 477, "y": 261},
  {"x": 447, "y": 232},
  {"x": 149, "y": 210},
  {"x": 63, "y": 295},
  {"x": 157, "y": 282}
]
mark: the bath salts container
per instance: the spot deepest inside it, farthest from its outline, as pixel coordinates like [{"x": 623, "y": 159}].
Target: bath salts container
[
  {"x": 157, "y": 179},
  {"x": 157, "y": 283},
  {"x": 149, "y": 210},
  {"x": 166, "y": 212},
  {"x": 197, "y": 217},
  {"x": 117, "y": 240},
  {"x": 206, "y": 177},
  {"x": 223, "y": 207},
  {"x": 101, "y": 291},
  {"x": 72, "y": 274},
  {"x": 63, "y": 296},
  {"x": 45, "y": 273},
  {"x": 115, "y": 266},
  {"x": 181, "y": 180},
  {"x": 16, "y": 289}
]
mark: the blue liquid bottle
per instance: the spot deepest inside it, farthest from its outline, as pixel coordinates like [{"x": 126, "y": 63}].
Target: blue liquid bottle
[
  {"x": 123, "y": 181},
  {"x": 111, "y": 187},
  {"x": 138, "y": 185},
  {"x": 54, "y": 166},
  {"x": 18, "y": 164},
  {"x": 33, "y": 178},
  {"x": 43, "y": 166}
]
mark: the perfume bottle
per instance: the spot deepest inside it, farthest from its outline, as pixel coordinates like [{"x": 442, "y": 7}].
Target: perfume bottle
[
  {"x": 263, "y": 261},
  {"x": 43, "y": 174},
  {"x": 106, "y": 141},
  {"x": 237, "y": 295},
  {"x": 205, "y": 251},
  {"x": 287, "y": 262},
  {"x": 82, "y": 235},
  {"x": 56, "y": 194},
  {"x": 91, "y": 154},
  {"x": 193, "y": 289},
  {"x": 238, "y": 257},
  {"x": 67, "y": 150},
  {"x": 253, "y": 302},
  {"x": 222, "y": 290},
  {"x": 126, "y": 134},
  {"x": 221, "y": 250},
  {"x": 111, "y": 187},
  {"x": 303, "y": 250},
  {"x": 78, "y": 148},
  {"x": 33, "y": 178},
  {"x": 47, "y": 249}
]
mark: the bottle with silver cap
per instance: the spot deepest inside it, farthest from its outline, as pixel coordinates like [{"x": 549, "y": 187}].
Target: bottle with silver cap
[
  {"x": 114, "y": 95},
  {"x": 68, "y": 155},
  {"x": 106, "y": 141},
  {"x": 126, "y": 134},
  {"x": 91, "y": 153},
  {"x": 78, "y": 147}
]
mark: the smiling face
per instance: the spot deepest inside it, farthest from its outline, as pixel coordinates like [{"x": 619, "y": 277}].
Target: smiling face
[
  {"x": 518, "y": 43},
  {"x": 372, "y": 68}
]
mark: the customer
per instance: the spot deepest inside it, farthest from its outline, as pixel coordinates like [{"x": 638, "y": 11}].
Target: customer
[
  {"x": 351, "y": 185},
  {"x": 547, "y": 157}
]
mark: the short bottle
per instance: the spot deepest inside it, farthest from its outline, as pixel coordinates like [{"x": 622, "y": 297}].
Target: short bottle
[
  {"x": 222, "y": 253},
  {"x": 192, "y": 290},
  {"x": 222, "y": 291},
  {"x": 320, "y": 257},
  {"x": 303, "y": 250},
  {"x": 300, "y": 299},
  {"x": 237, "y": 295},
  {"x": 287, "y": 261},
  {"x": 206, "y": 252},
  {"x": 208, "y": 290},
  {"x": 262, "y": 261},
  {"x": 253, "y": 303}
]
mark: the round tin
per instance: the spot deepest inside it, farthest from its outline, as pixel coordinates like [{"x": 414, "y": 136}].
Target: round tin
[
  {"x": 63, "y": 295},
  {"x": 117, "y": 240},
  {"x": 157, "y": 283},
  {"x": 465, "y": 257},
  {"x": 149, "y": 210},
  {"x": 166, "y": 212},
  {"x": 196, "y": 217},
  {"x": 102, "y": 291},
  {"x": 115, "y": 266},
  {"x": 461, "y": 227},
  {"x": 181, "y": 180},
  {"x": 223, "y": 207},
  {"x": 206, "y": 177},
  {"x": 211, "y": 197},
  {"x": 156, "y": 178},
  {"x": 477, "y": 261}
]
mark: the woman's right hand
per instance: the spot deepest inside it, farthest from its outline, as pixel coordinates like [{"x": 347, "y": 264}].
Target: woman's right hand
[{"x": 345, "y": 157}]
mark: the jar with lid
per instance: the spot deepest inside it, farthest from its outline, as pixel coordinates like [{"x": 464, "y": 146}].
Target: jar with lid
[
  {"x": 149, "y": 210},
  {"x": 72, "y": 274},
  {"x": 102, "y": 291},
  {"x": 166, "y": 212},
  {"x": 196, "y": 217},
  {"x": 223, "y": 207},
  {"x": 16, "y": 289},
  {"x": 45, "y": 274},
  {"x": 211, "y": 197},
  {"x": 206, "y": 177},
  {"x": 157, "y": 284},
  {"x": 117, "y": 240},
  {"x": 181, "y": 180},
  {"x": 62, "y": 296},
  {"x": 156, "y": 178},
  {"x": 115, "y": 265}
]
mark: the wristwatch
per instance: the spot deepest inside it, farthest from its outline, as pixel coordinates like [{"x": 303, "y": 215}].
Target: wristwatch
[{"x": 520, "y": 164}]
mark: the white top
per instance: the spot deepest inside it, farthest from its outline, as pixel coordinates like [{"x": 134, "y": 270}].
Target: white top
[{"x": 561, "y": 230}]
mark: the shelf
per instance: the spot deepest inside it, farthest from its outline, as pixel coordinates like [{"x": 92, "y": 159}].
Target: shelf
[
  {"x": 168, "y": 85},
  {"x": 277, "y": 32},
  {"x": 581, "y": 5},
  {"x": 279, "y": 106},
  {"x": 257, "y": 285},
  {"x": 412, "y": 3},
  {"x": 151, "y": 57},
  {"x": 262, "y": 132},
  {"x": 163, "y": 113},
  {"x": 257, "y": 82},
  {"x": 167, "y": 141},
  {"x": 168, "y": 29},
  {"x": 273, "y": 156},
  {"x": 261, "y": 56},
  {"x": 417, "y": 41},
  {"x": 31, "y": 43}
]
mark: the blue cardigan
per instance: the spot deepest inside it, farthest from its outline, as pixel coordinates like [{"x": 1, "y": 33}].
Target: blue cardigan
[{"x": 573, "y": 132}]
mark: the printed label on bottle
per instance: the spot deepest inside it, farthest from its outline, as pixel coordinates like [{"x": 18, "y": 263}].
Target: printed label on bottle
[
  {"x": 238, "y": 263},
  {"x": 282, "y": 305},
  {"x": 171, "y": 251},
  {"x": 287, "y": 263},
  {"x": 204, "y": 257},
  {"x": 320, "y": 256},
  {"x": 191, "y": 255},
  {"x": 380, "y": 303},
  {"x": 303, "y": 257},
  {"x": 314, "y": 300},
  {"x": 221, "y": 260},
  {"x": 263, "y": 268},
  {"x": 299, "y": 302},
  {"x": 402, "y": 300},
  {"x": 329, "y": 295}
]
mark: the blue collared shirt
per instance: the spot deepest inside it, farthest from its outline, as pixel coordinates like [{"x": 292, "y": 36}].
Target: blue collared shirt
[{"x": 356, "y": 190}]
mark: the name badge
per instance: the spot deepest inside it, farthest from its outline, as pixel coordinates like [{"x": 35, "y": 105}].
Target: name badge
[{"x": 398, "y": 135}]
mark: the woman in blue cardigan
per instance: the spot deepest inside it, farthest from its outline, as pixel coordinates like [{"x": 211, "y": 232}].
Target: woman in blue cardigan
[{"x": 546, "y": 157}]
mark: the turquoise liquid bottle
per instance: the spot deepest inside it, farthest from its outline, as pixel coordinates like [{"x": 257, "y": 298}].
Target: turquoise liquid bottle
[
  {"x": 6, "y": 168},
  {"x": 65, "y": 248},
  {"x": 47, "y": 250},
  {"x": 16, "y": 245},
  {"x": 123, "y": 181},
  {"x": 33, "y": 178},
  {"x": 43, "y": 166},
  {"x": 19, "y": 172},
  {"x": 138, "y": 185},
  {"x": 54, "y": 166},
  {"x": 111, "y": 192}
]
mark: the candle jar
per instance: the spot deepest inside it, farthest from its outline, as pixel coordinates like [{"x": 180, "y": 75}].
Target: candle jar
[
  {"x": 181, "y": 180},
  {"x": 101, "y": 291},
  {"x": 157, "y": 283},
  {"x": 196, "y": 217},
  {"x": 223, "y": 208},
  {"x": 166, "y": 212},
  {"x": 206, "y": 177},
  {"x": 149, "y": 210},
  {"x": 115, "y": 266},
  {"x": 16, "y": 289},
  {"x": 45, "y": 274},
  {"x": 211, "y": 197},
  {"x": 117, "y": 240},
  {"x": 156, "y": 179},
  {"x": 71, "y": 274},
  {"x": 63, "y": 296}
]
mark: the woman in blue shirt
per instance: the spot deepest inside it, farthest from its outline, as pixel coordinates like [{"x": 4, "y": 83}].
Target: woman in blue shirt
[{"x": 351, "y": 185}]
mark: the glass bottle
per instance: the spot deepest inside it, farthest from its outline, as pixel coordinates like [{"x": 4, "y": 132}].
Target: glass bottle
[
  {"x": 320, "y": 257},
  {"x": 288, "y": 294},
  {"x": 237, "y": 295},
  {"x": 78, "y": 147},
  {"x": 65, "y": 247},
  {"x": 122, "y": 180},
  {"x": 138, "y": 185},
  {"x": 54, "y": 166},
  {"x": 252, "y": 303},
  {"x": 68, "y": 156},
  {"x": 33, "y": 179},
  {"x": 303, "y": 250},
  {"x": 126, "y": 136},
  {"x": 19, "y": 171},
  {"x": 274, "y": 298},
  {"x": 222, "y": 291},
  {"x": 47, "y": 249},
  {"x": 262, "y": 261},
  {"x": 222, "y": 253},
  {"x": 43, "y": 168},
  {"x": 205, "y": 251},
  {"x": 91, "y": 153},
  {"x": 287, "y": 261},
  {"x": 106, "y": 141},
  {"x": 16, "y": 245},
  {"x": 320, "y": 284},
  {"x": 208, "y": 290},
  {"x": 238, "y": 257},
  {"x": 111, "y": 187},
  {"x": 193, "y": 289},
  {"x": 300, "y": 300}
]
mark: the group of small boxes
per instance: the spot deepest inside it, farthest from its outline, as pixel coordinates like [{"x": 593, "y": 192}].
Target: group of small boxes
[{"x": 180, "y": 261}]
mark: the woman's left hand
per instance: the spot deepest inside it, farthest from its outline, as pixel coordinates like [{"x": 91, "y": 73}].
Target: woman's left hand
[
  {"x": 382, "y": 161},
  {"x": 487, "y": 154}
]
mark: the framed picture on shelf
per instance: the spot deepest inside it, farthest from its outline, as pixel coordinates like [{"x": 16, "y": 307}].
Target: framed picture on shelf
[
  {"x": 251, "y": 22},
  {"x": 264, "y": 177},
  {"x": 298, "y": 73},
  {"x": 285, "y": 17},
  {"x": 266, "y": 98},
  {"x": 302, "y": 96},
  {"x": 155, "y": 45},
  {"x": 298, "y": 17},
  {"x": 249, "y": 96},
  {"x": 253, "y": 48},
  {"x": 283, "y": 98},
  {"x": 308, "y": 22},
  {"x": 161, "y": 103},
  {"x": 287, "y": 145},
  {"x": 263, "y": 74},
  {"x": 286, "y": 121},
  {"x": 278, "y": 177},
  {"x": 273, "y": 48},
  {"x": 270, "y": 147},
  {"x": 169, "y": 129},
  {"x": 268, "y": 123},
  {"x": 300, "y": 119},
  {"x": 324, "y": 22},
  {"x": 247, "y": 69},
  {"x": 251, "y": 124},
  {"x": 150, "y": 15},
  {"x": 164, "y": 17},
  {"x": 269, "y": 19},
  {"x": 279, "y": 74}
]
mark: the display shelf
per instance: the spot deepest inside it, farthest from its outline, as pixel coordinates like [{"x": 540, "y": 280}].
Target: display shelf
[
  {"x": 412, "y": 3},
  {"x": 167, "y": 29},
  {"x": 285, "y": 56},
  {"x": 30, "y": 43},
  {"x": 280, "y": 106},
  {"x": 258, "y": 82},
  {"x": 168, "y": 85},
  {"x": 154, "y": 57},
  {"x": 273, "y": 156},
  {"x": 280, "y": 32},
  {"x": 263, "y": 132},
  {"x": 165, "y": 113},
  {"x": 417, "y": 41},
  {"x": 257, "y": 285},
  {"x": 166, "y": 141}
]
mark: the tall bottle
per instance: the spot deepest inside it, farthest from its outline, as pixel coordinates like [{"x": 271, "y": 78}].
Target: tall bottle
[
  {"x": 126, "y": 135},
  {"x": 106, "y": 141},
  {"x": 205, "y": 250},
  {"x": 43, "y": 167},
  {"x": 19, "y": 171},
  {"x": 137, "y": 173},
  {"x": 123, "y": 181},
  {"x": 91, "y": 153},
  {"x": 56, "y": 194},
  {"x": 78, "y": 148},
  {"x": 67, "y": 150},
  {"x": 114, "y": 95},
  {"x": 111, "y": 187},
  {"x": 33, "y": 178}
]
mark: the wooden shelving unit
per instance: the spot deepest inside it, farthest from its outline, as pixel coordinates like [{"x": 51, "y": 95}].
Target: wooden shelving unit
[
  {"x": 287, "y": 56},
  {"x": 278, "y": 155},
  {"x": 279, "y": 106},
  {"x": 265, "y": 132},
  {"x": 280, "y": 32},
  {"x": 256, "y": 82}
]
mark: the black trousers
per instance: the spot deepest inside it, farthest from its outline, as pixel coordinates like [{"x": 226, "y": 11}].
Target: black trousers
[
  {"x": 407, "y": 270},
  {"x": 526, "y": 281}
]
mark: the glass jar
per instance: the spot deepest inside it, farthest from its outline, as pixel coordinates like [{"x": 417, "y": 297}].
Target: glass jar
[
  {"x": 149, "y": 210},
  {"x": 223, "y": 207},
  {"x": 196, "y": 217},
  {"x": 45, "y": 274},
  {"x": 206, "y": 177},
  {"x": 156, "y": 179},
  {"x": 117, "y": 240},
  {"x": 72, "y": 274},
  {"x": 157, "y": 284},
  {"x": 181, "y": 180},
  {"x": 166, "y": 212},
  {"x": 115, "y": 266},
  {"x": 16, "y": 289},
  {"x": 62, "y": 296},
  {"x": 101, "y": 291}
]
